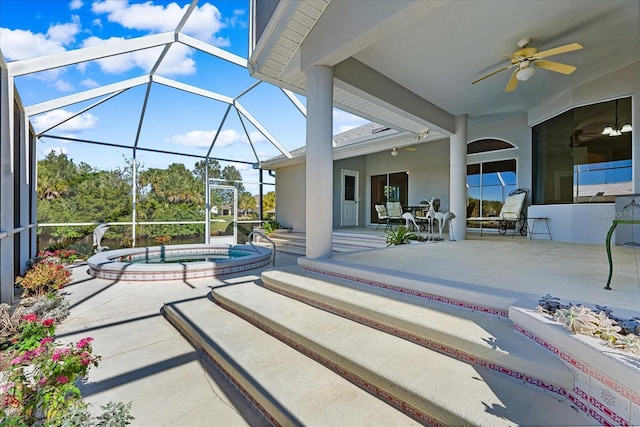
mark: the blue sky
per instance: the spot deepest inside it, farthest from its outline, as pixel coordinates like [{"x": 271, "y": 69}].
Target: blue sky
[{"x": 174, "y": 120}]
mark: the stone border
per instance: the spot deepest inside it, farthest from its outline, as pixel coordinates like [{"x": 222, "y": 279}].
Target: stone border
[{"x": 115, "y": 265}]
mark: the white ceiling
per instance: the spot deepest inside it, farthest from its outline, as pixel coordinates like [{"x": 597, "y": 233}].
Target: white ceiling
[
  {"x": 463, "y": 40},
  {"x": 436, "y": 49}
]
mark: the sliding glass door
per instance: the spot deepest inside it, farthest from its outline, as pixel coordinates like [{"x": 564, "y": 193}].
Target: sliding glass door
[
  {"x": 391, "y": 187},
  {"x": 489, "y": 184}
]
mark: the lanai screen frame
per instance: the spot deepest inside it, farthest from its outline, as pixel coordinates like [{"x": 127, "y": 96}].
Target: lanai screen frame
[{"x": 20, "y": 138}]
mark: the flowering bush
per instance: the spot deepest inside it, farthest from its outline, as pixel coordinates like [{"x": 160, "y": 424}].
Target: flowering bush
[
  {"x": 44, "y": 277},
  {"x": 40, "y": 384},
  {"x": 65, "y": 256},
  {"x": 32, "y": 332},
  {"x": 616, "y": 332}
]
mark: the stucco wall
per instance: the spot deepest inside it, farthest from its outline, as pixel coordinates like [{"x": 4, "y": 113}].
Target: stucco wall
[
  {"x": 291, "y": 197},
  {"x": 428, "y": 168}
]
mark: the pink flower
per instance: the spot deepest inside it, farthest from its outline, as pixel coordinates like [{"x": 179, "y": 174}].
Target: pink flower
[
  {"x": 42, "y": 381},
  {"x": 6, "y": 386},
  {"x": 48, "y": 322},
  {"x": 58, "y": 353},
  {"x": 16, "y": 361},
  {"x": 31, "y": 317},
  {"x": 62, "y": 379},
  {"x": 46, "y": 340},
  {"x": 84, "y": 342}
]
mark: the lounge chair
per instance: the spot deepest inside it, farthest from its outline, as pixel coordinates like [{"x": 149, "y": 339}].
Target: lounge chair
[{"x": 512, "y": 214}]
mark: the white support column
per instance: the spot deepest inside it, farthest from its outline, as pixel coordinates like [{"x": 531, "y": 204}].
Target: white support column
[
  {"x": 319, "y": 179},
  {"x": 23, "y": 146},
  {"x": 458, "y": 178},
  {"x": 6, "y": 186}
]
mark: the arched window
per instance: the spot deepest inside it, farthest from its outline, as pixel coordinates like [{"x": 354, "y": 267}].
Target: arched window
[{"x": 484, "y": 145}]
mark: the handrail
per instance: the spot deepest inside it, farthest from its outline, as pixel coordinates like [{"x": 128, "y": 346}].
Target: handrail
[{"x": 261, "y": 234}]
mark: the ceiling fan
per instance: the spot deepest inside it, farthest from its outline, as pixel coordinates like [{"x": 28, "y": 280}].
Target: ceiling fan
[
  {"x": 395, "y": 151},
  {"x": 527, "y": 59}
]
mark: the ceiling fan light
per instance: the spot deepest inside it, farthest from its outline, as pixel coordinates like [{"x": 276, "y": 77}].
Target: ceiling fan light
[
  {"x": 607, "y": 130},
  {"x": 615, "y": 133},
  {"x": 394, "y": 152},
  {"x": 626, "y": 128},
  {"x": 524, "y": 74}
]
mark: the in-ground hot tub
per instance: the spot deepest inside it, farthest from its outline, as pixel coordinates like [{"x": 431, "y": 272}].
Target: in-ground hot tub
[{"x": 177, "y": 262}]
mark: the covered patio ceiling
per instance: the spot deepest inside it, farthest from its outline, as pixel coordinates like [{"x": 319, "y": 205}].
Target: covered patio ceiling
[{"x": 410, "y": 65}]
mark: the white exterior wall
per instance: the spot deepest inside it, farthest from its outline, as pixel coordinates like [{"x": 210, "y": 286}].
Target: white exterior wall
[{"x": 291, "y": 194}]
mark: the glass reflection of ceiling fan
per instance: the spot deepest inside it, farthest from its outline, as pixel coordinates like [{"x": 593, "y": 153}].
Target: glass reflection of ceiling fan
[{"x": 528, "y": 59}]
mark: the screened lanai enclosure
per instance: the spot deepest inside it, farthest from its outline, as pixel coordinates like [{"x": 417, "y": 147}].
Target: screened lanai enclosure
[{"x": 169, "y": 156}]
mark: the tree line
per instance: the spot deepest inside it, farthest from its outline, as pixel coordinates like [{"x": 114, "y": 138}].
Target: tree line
[{"x": 71, "y": 193}]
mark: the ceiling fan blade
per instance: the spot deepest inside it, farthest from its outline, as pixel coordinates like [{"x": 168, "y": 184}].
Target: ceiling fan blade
[
  {"x": 410, "y": 148},
  {"x": 557, "y": 50},
  {"x": 513, "y": 82},
  {"x": 554, "y": 66},
  {"x": 506, "y": 67}
]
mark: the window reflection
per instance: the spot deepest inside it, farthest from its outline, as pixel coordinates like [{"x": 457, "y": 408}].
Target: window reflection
[{"x": 574, "y": 162}]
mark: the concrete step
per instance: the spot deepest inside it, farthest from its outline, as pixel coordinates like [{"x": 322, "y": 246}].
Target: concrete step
[
  {"x": 294, "y": 242},
  {"x": 435, "y": 388},
  {"x": 292, "y": 388},
  {"x": 486, "y": 340}
]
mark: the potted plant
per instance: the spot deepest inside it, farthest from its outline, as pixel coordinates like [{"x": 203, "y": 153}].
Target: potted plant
[{"x": 400, "y": 236}]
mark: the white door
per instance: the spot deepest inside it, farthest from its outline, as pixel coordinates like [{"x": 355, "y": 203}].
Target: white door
[{"x": 349, "y": 197}]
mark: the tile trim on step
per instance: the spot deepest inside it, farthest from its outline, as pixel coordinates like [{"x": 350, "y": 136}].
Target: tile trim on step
[
  {"x": 191, "y": 337},
  {"x": 419, "y": 294},
  {"x": 587, "y": 403},
  {"x": 351, "y": 376},
  {"x": 424, "y": 342}
]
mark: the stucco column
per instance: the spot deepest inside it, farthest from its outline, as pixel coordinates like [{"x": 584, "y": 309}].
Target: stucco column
[
  {"x": 319, "y": 168},
  {"x": 458, "y": 178},
  {"x": 6, "y": 185}
]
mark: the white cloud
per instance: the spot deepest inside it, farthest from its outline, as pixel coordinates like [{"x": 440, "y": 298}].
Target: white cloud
[
  {"x": 176, "y": 62},
  {"x": 204, "y": 22},
  {"x": 21, "y": 44},
  {"x": 90, "y": 83},
  {"x": 257, "y": 137},
  {"x": 202, "y": 138},
  {"x": 64, "y": 33},
  {"x": 75, "y": 4},
  {"x": 57, "y": 150},
  {"x": 63, "y": 86},
  {"x": 79, "y": 123}
]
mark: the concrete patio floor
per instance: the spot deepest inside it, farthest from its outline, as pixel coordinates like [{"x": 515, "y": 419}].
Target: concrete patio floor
[{"x": 146, "y": 361}]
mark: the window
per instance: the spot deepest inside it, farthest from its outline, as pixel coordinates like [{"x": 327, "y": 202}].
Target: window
[
  {"x": 489, "y": 185},
  {"x": 573, "y": 162},
  {"x": 388, "y": 187}
]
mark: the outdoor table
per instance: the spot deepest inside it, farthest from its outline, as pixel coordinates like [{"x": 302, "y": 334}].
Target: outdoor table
[{"x": 608, "y": 244}]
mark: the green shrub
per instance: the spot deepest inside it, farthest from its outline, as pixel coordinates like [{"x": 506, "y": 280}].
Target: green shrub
[
  {"x": 400, "y": 236},
  {"x": 44, "y": 277},
  {"x": 271, "y": 225}
]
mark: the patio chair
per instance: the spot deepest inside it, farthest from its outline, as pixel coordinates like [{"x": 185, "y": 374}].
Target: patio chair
[
  {"x": 381, "y": 210},
  {"x": 395, "y": 211},
  {"x": 511, "y": 214}
]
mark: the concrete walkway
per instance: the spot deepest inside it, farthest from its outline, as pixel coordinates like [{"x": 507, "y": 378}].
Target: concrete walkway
[{"x": 145, "y": 360}]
